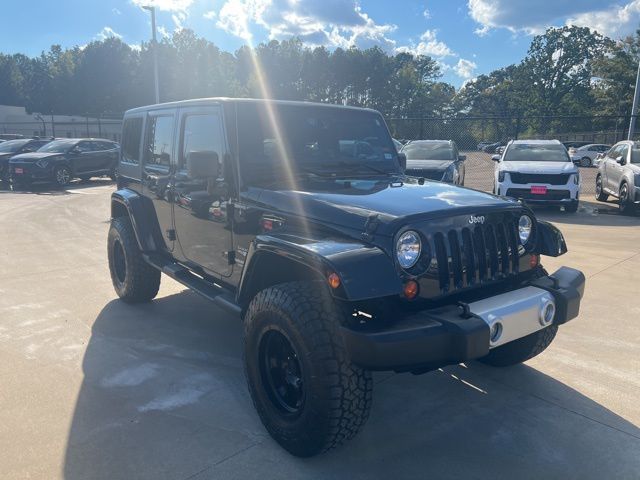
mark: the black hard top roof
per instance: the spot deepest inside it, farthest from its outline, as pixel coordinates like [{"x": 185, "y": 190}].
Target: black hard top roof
[{"x": 219, "y": 100}]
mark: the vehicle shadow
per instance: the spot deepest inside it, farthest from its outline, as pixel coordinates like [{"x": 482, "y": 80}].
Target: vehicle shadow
[
  {"x": 164, "y": 396},
  {"x": 51, "y": 189},
  {"x": 589, "y": 213}
]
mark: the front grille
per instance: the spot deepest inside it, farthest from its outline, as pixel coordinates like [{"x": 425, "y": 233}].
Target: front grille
[
  {"x": 543, "y": 178},
  {"x": 525, "y": 194},
  {"x": 473, "y": 255}
]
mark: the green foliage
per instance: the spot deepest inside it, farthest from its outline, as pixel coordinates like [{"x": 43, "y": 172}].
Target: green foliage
[{"x": 567, "y": 71}]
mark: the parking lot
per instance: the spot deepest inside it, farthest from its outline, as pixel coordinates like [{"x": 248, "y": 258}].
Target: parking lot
[{"x": 94, "y": 388}]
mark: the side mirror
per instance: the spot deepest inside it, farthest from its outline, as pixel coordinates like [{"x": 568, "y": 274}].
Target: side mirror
[
  {"x": 620, "y": 160},
  {"x": 495, "y": 158},
  {"x": 203, "y": 165},
  {"x": 462, "y": 158},
  {"x": 75, "y": 150},
  {"x": 402, "y": 158}
]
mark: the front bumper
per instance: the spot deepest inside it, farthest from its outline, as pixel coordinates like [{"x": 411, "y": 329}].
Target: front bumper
[
  {"x": 434, "y": 338},
  {"x": 30, "y": 172}
]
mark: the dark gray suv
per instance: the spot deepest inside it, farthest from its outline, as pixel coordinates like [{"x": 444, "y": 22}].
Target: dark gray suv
[{"x": 619, "y": 176}]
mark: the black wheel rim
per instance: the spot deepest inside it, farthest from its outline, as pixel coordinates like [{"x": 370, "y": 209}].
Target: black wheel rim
[
  {"x": 119, "y": 262},
  {"x": 623, "y": 196},
  {"x": 598, "y": 186},
  {"x": 281, "y": 373}
]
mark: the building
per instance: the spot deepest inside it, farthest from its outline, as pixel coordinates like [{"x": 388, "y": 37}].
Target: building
[{"x": 16, "y": 120}]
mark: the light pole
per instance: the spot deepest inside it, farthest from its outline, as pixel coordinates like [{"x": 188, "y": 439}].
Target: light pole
[
  {"x": 634, "y": 106},
  {"x": 155, "y": 50}
]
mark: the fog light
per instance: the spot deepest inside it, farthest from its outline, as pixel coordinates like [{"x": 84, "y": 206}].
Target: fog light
[
  {"x": 547, "y": 312},
  {"x": 410, "y": 289},
  {"x": 495, "y": 332},
  {"x": 534, "y": 260}
]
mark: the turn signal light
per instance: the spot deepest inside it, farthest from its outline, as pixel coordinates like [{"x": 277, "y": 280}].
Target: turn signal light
[
  {"x": 334, "y": 280},
  {"x": 534, "y": 260},
  {"x": 410, "y": 289}
]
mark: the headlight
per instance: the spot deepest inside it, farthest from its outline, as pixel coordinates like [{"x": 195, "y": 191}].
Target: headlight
[
  {"x": 576, "y": 178},
  {"x": 42, "y": 163},
  {"x": 450, "y": 174},
  {"x": 525, "y": 225},
  {"x": 408, "y": 249}
]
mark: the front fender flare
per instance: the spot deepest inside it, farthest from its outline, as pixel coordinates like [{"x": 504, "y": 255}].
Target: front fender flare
[
  {"x": 365, "y": 272},
  {"x": 550, "y": 240}
]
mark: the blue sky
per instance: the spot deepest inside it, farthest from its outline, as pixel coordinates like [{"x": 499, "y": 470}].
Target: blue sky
[{"x": 467, "y": 37}]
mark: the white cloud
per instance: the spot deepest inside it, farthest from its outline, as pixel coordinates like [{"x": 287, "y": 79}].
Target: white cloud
[
  {"x": 163, "y": 31},
  {"x": 526, "y": 16},
  {"x": 465, "y": 68},
  {"x": 429, "y": 45},
  {"x": 166, "y": 5},
  {"x": 107, "y": 32},
  {"x": 210, "y": 15},
  {"x": 179, "y": 19},
  {"x": 115, "y": 11},
  {"x": 426, "y": 14},
  {"x": 616, "y": 21},
  {"x": 337, "y": 23}
]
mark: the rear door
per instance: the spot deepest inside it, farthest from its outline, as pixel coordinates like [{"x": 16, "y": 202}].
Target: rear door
[
  {"x": 106, "y": 155},
  {"x": 158, "y": 161},
  {"x": 81, "y": 158},
  {"x": 202, "y": 213}
]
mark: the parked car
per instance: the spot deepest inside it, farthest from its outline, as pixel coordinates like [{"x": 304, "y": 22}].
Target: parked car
[
  {"x": 10, "y": 136},
  {"x": 435, "y": 160},
  {"x": 574, "y": 144},
  {"x": 585, "y": 156},
  {"x": 11, "y": 148},
  {"x": 619, "y": 176},
  {"x": 538, "y": 172},
  {"x": 397, "y": 144},
  {"x": 62, "y": 160},
  {"x": 481, "y": 145},
  {"x": 336, "y": 262},
  {"x": 600, "y": 157},
  {"x": 491, "y": 148}
]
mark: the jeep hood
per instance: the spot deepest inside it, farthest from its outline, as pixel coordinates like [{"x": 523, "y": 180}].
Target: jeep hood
[
  {"x": 539, "y": 167},
  {"x": 350, "y": 204}
]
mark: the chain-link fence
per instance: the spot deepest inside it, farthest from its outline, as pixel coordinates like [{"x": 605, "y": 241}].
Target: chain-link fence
[
  {"x": 63, "y": 126},
  {"x": 473, "y": 134}
]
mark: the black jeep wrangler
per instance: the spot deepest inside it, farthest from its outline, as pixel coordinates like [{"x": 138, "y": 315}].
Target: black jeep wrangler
[{"x": 298, "y": 217}]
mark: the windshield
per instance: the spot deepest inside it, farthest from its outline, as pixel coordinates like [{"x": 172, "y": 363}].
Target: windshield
[
  {"x": 429, "y": 151},
  {"x": 12, "y": 145},
  {"x": 536, "y": 152},
  {"x": 58, "y": 146},
  {"x": 291, "y": 140}
]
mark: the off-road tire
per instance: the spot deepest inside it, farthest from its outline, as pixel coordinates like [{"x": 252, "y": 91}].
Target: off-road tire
[
  {"x": 522, "y": 349},
  {"x": 601, "y": 196},
  {"x": 140, "y": 281},
  {"x": 337, "y": 393}
]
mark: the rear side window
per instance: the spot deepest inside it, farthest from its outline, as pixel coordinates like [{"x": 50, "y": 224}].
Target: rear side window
[
  {"x": 201, "y": 133},
  {"x": 160, "y": 141},
  {"x": 131, "y": 136}
]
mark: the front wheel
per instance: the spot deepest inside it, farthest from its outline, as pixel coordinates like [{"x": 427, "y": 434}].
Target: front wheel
[
  {"x": 133, "y": 278},
  {"x": 309, "y": 395},
  {"x": 522, "y": 349},
  {"x": 625, "y": 204},
  {"x": 585, "y": 162},
  {"x": 62, "y": 176},
  {"x": 601, "y": 196}
]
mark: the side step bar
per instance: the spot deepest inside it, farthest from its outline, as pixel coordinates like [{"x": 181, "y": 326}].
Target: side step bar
[{"x": 214, "y": 293}]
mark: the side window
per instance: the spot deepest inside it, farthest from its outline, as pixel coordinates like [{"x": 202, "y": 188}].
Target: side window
[
  {"x": 30, "y": 147},
  {"x": 85, "y": 146},
  {"x": 201, "y": 132},
  {"x": 159, "y": 141},
  {"x": 131, "y": 136},
  {"x": 614, "y": 152}
]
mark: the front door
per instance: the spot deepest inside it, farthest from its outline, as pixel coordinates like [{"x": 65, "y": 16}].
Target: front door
[
  {"x": 614, "y": 169},
  {"x": 202, "y": 213},
  {"x": 156, "y": 169}
]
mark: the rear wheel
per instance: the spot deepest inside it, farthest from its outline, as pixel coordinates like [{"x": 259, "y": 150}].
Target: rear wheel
[
  {"x": 133, "y": 278},
  {"x": 309, "y": 395},
  {"x": 572, "y": 207},
  {"x": 601, "y": 196},
  {"x": 522, "y": 349},
  {"x": 625, "y": 204}
]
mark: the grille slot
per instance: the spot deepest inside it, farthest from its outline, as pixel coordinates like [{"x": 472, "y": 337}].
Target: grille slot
[
  {"x": 483, "y": 253},
  {"x": 545, "y": 178}
]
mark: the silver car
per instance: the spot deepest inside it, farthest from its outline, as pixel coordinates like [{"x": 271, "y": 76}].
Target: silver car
[
  {"x": 619, "y": 176},
  {"x": 585, "y": 156}
]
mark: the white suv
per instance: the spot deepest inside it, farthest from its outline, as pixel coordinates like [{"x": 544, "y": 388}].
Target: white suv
[{"x": 538, "y": 172}]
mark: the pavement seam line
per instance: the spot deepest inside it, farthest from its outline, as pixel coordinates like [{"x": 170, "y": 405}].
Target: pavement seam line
[
  {"x": 229, "y": 457},
  {"x": 614, "y": 265}
]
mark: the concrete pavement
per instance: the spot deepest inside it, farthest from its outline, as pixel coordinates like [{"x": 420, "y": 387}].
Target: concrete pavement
[{"x": 93, "y": 388}]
